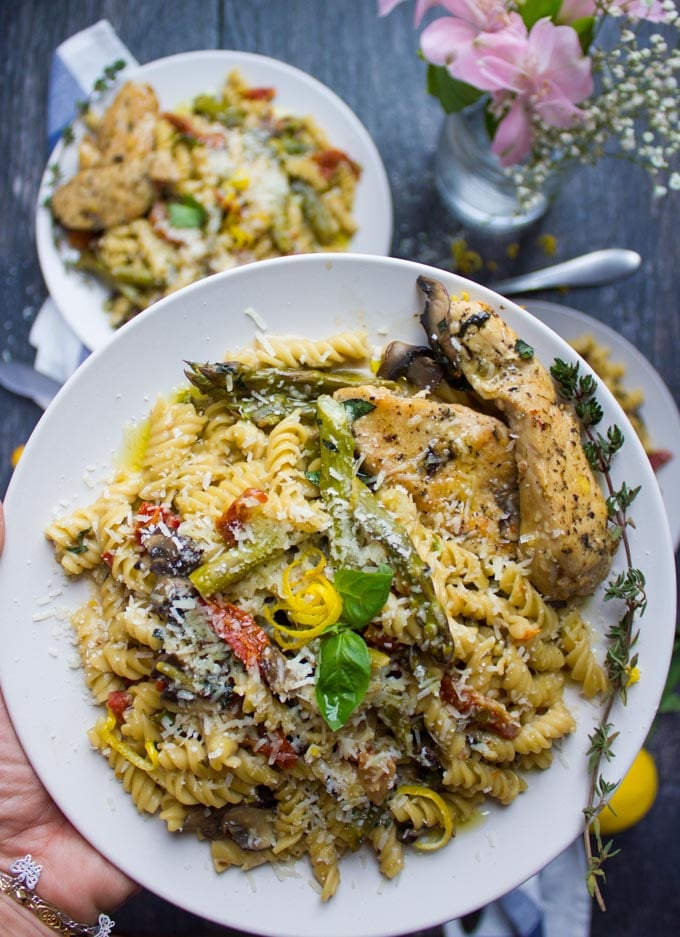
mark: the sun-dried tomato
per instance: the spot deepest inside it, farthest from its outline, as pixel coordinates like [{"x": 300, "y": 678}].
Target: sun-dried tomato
[
  {"x": 213, "y": 140},
  {"x": 118, "y": 701},
  {"x": 659, "y": 457},
  {"x": 233, "y": 520},
  {"x": 258, "y": 94},
  {"x": 150, "y": 516},
  {"x": 482, "y": 710},
  {"x": 277, "y": 749},
  {"x": 329, "y": 160},
  {"x": 240, "y": 631}
]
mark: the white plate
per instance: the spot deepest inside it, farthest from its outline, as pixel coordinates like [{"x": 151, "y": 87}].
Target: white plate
[
  {"x": 68, "y": 454},
  {"x": 659, "y": 410},
  {"x": 176, "y": 80}
]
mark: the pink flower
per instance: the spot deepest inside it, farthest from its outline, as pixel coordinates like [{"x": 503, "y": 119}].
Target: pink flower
[
  {"x": 575, "y": 10},
  {"x": 543, "y": 73},
  {"x": 651, "y": 10},
  {"x": 386, "y": 6},
  {"x": 422, "y": 6},
  {"x": 450, "y": 40}
]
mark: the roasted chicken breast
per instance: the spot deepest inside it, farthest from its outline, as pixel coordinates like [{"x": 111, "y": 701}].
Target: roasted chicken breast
[
  {"x": 118, "y": 187},
  {"x": 457, "y": 464},
  {"x": 104, "y": 196},
  {"x": 563, "y": 512}
]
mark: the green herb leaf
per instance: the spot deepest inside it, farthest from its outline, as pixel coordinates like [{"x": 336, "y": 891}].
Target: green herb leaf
[
  {"x": 452, "y": 94},
  {"x": 670, "y": 700},
  {"x": 342, "y": 676},
  {"x": 111, "y": 71},
  {"x": 313, "y": 477},
  {"x": 566, "y": 376},
  {"x": 356, "y": 408},
  {"x": 79, "y": 546},
  {"x": 589, "y": 412},
  {"x": 585, "y": 30},
  {"x": 532, "y": 11},
  {"x": 186, "y": 214},
  {"x": 524, "y": 350},
  {"x": 363, "y": 593}
]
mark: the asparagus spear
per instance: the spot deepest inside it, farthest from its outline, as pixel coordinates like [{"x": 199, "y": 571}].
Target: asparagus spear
[
  {"x": 322, "y": 222},
  {"x": 379, "y": 524},
  {"x": 350, "y": 504},
  {"x": 266, "y": 395},
  {"x": 269, "y": 540},
  {"x": 335, "y": 478},
  {"x": 227, "y": 378},
  {"x": 91, "y": 263}
]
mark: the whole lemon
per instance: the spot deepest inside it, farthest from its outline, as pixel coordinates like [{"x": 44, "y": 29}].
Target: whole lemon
[
  {"x": 16, "y": 455},
  {"x": 634, "y": 796}
]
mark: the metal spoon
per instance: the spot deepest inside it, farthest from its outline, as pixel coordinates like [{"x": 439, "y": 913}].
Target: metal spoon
[
  {"x": 21, "y": 379},
  {"x": 592, "y": 269}
]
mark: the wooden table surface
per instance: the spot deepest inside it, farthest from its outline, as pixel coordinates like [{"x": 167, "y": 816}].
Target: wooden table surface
[{"x": 372, "y": 65}]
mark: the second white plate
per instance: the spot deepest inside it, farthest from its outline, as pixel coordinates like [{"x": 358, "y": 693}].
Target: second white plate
[{"x": 176, "y": 80}]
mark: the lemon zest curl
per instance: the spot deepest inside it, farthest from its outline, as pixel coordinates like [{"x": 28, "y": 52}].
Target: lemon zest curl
[
  {"x": 434, "y": 840},
  {"x": 309, "y": 600},
  {"x": 150, "y": 763}
]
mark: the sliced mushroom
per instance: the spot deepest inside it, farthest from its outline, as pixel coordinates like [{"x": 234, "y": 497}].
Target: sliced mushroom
[
  {"x": 435, "y": 320},
  {"x": 413, "y": 362},
  {"x": 171, "y": 556},
  {"x": 278, "y": 673},
  {"x": 250, "y": 827},
  {"x": 169, "y": 590}
]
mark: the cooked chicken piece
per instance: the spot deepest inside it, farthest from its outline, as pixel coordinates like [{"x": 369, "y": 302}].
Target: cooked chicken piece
[
  {"x": 118, "y": 188},
  {"x": 457, "y": 464},
  {"x": 563, "y": 513},
  {"x": 105, "y": 196},
  {"x": 127, "y": 127}
]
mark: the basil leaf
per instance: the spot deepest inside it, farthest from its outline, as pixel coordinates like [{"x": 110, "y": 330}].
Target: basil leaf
[
  {"x": 343, "y": 673},
  {"x": 186, "y": 214},
  {"x": 80, "y": 545},
  {"x": 363, "y": 593},
  {"x": 356, "y": 408}
]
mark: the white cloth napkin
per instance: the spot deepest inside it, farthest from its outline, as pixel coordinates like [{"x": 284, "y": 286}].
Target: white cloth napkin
[{"x": 553, "y": 903}]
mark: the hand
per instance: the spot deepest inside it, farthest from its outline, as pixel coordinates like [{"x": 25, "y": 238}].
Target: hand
[{"x": 75, "y": 877}]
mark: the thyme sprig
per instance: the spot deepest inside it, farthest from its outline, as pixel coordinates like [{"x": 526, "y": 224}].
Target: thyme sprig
[
  {"x": 627, "y": 587},
  {"x": 105, "y": 82}
]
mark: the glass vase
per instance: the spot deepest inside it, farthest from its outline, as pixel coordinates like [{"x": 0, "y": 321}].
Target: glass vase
[{"x": 476, "y": 189}]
